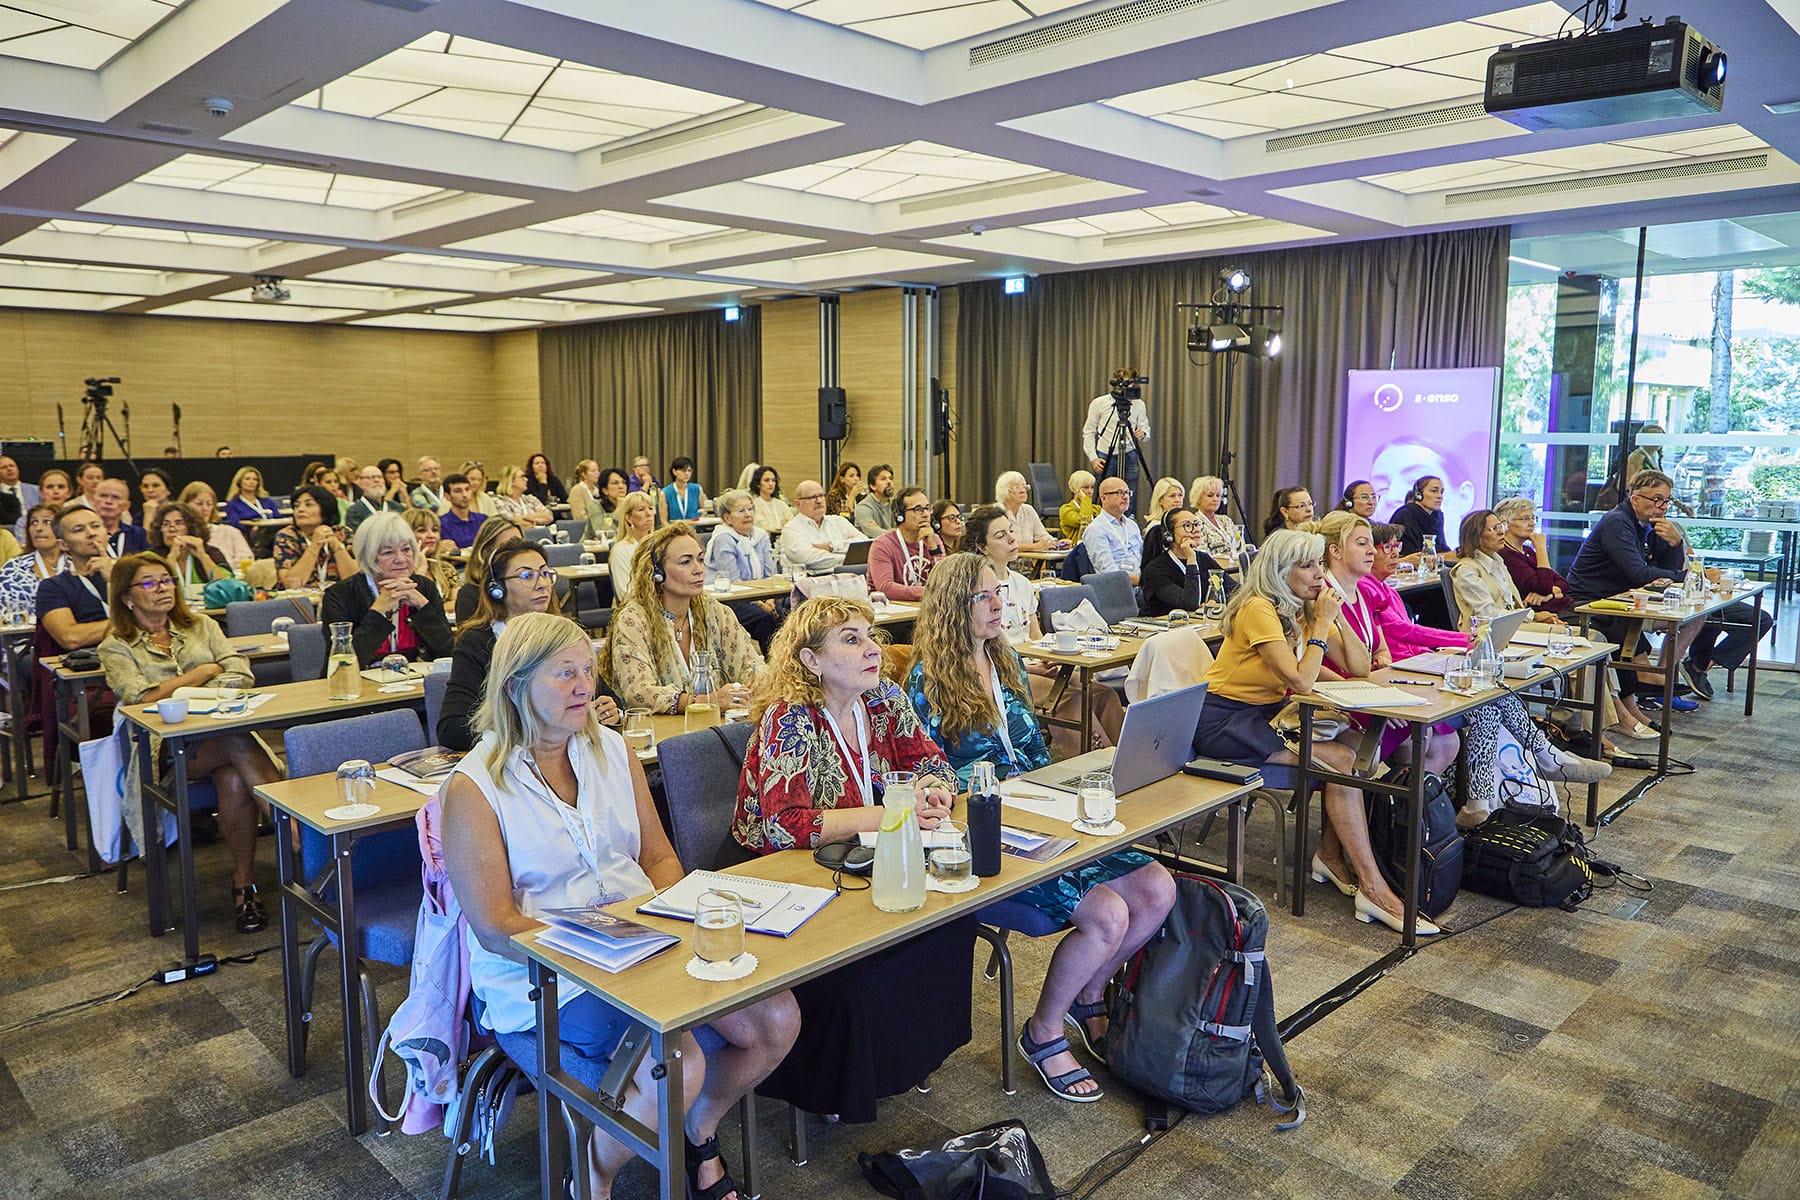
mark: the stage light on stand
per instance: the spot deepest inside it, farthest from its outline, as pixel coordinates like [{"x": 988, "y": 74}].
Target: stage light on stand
[
  {"x": 1227, "y": 337},
  {"x": 1236, "y": 280},
  {"x": 1264, "y": 342}
]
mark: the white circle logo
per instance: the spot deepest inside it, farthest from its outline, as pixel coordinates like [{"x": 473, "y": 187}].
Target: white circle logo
[{"x": 1388, "y": 397}]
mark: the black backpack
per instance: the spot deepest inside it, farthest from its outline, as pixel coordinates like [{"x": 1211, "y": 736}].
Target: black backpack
[
  {"x": 1535, "y": 859},
  {"x": 1194, "y": 1021},
  {"x": 1441, "y": 848}
]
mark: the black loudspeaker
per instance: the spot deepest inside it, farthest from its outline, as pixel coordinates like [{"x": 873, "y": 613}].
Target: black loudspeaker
[
  {"x": 33, "y": 456},
  {"x": 940, "y": 418},
  {"x": 834, "y": 414}
]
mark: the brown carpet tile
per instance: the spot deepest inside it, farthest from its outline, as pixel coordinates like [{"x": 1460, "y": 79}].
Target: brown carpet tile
[{"x": 1538, "y": 1054}]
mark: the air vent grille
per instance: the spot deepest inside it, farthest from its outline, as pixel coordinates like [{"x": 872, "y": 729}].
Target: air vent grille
[
  {"x": 1551, "y": 187},
  {"x": 1031, "y": 184},
  {"x": 1424, "y": 119},
  {"x": 1077, "y": 27}
]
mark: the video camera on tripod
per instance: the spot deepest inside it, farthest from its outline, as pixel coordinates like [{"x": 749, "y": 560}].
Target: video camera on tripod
[{"x": 95, "y": 422}]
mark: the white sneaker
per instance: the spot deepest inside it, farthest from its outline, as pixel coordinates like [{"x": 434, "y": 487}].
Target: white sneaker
[{"x": 1570, "y": 768}]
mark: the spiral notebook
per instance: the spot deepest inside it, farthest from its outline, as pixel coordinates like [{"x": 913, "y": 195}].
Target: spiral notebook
[{"x": 772, "y": 908}]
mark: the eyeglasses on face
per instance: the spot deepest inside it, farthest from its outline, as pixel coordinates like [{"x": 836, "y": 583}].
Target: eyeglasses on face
[
  {"x": 917, "y": 508},
  {"x": 1115, "y": 492},
  {"x": 533, "y": 574},
  {"x": 1187, "y": 527},
  {"x": 951, "y": 514},
  {"x": 810, "y": 496},
  {"x": 997, "y": 595},
  {"x": 155, "y": 585},
  {"x": 1389, "y": 547},
  {"x": 1655, "y": 501}
]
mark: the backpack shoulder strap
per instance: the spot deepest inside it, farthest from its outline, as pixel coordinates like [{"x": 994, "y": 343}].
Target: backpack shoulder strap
[{"x": 1268, "y": 1040}]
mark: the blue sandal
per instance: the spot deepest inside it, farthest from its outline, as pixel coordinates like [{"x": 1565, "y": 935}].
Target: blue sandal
[
  {"x": 1078, "y": 1016},
  {"x": 1036, "y": 1052}
]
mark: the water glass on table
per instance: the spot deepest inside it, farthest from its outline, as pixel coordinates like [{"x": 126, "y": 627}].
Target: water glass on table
[
  {"x": 950, "y": 860},
  {"x": 1459, "y": 675},
  {"x": 1097, "y": 803},
  {"x": 640, "y": 730},
  {"x": 718, "y": 928},
  {"x": 234, "y": 693}
]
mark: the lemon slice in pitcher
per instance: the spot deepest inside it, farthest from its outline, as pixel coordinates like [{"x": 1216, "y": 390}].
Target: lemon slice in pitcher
[{"x": 892, "y": 819}]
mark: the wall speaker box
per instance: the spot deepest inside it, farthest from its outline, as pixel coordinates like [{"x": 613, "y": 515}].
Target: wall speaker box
[{"x": 834, "y": 414}]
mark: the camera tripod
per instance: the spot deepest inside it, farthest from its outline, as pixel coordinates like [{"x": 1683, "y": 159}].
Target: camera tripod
[
  {"x": 96, "y": 423},
  {"x": 1124, "y": 440}
]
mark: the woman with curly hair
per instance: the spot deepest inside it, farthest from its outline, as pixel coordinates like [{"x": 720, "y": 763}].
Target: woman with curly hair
[
  {"x": 969, "y": 689},
  {"x": 828, "y": 727},
  {"x": 669, "y": 627}
]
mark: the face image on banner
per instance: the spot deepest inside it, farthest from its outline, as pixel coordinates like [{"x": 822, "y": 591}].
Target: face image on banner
[{"x": 1404, "y": 425}]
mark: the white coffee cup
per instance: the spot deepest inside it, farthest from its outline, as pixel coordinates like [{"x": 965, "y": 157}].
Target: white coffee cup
[
  {"x": 1066, "y": 640},
  {"x": 172, "y": 711}
]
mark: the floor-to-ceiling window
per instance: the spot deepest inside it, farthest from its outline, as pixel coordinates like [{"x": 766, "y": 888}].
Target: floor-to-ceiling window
[{"x": 1691, "y": 364}]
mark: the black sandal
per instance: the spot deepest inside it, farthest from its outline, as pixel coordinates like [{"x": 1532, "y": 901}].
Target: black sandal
[
  {"x": 1036, "y": 1052},
  {"x": 251, "y": 916},
  {"x": 705, "y": 1152},
  {"x": 1078, "y": 1016}
]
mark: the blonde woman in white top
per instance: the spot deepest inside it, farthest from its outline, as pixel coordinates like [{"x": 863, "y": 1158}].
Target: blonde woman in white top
[
  {"x": 637, "y": 520},
  {"x": 1219, "y": 537},
  {"x": 551, "y": 811},
  {"x": 515, "y": 502},
  {"x": 1012, "y": 493},
  {"x": 1484, "y": 587},
  {"x": 1167, "y": 494}
]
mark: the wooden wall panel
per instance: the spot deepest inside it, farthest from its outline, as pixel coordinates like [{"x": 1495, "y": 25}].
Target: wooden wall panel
[
  {"x": 267, "y": 388},
  {"x": 872, "y": 363},
  {"x": 790, "y": 390}
]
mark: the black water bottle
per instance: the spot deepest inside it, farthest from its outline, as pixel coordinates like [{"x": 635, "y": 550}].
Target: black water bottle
[{"x": 984, "y": 820}]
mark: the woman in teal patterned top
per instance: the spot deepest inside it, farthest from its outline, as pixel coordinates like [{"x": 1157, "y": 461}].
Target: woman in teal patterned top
[{"x": 969, "y": 689}]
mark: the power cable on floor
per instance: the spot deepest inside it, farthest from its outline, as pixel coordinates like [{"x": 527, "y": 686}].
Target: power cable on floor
[
  {"x": 13, "y": 887},
  {"x": 248, "y": 956}
]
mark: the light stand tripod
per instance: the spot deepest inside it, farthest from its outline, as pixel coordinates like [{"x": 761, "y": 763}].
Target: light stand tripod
[{"x": 1233, "y": 329}]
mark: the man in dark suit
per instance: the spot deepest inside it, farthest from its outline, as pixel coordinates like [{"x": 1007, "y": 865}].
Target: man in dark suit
[{"x": 15, "y": 497}]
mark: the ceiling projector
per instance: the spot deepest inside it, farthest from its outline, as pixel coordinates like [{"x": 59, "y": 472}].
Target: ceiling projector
[
  {"x": 268, "y": 289},
  {"x": 1636, "y": 73}
]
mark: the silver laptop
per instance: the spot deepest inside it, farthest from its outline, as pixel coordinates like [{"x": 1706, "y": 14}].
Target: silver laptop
[
  {"x": 1156, "y": 742},
  {"x": 1502, "y": 629},
  {"x": 858, "y": 553}
]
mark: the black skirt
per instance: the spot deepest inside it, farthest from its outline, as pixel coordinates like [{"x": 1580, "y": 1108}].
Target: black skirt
[
  {"x": 879, "y": 1026},
  {"x": 1237, "y": 732}
]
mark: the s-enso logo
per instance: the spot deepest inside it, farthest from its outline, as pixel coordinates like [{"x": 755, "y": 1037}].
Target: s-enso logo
[{"x": 1388, "y": 397}]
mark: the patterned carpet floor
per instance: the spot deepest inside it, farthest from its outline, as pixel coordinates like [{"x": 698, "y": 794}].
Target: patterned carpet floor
[{"x": 1534, "y": 1054}]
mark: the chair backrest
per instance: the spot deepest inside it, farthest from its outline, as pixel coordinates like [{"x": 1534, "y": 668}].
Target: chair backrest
[
  {"x": 1047, "y": 486},
  {"x": 540, "y": 533},
  {"x": 573, "y": 528},
  {"x": 1113, "y": 595},
  {"x": 700, "y": 778},
  {"x": 245, "y": 617},
  {"x": 1449, "y": 588},
  {"x": 320, "y": 748},
  {"x": 563, "y": 556},
  {"x": 1758, "y": 541},
  {"x": 1062, "y": 599},
  {"x": 1167, "y": 662},
  {"x": 1077, "y": 563},
  {"x": 306, "y": 651},
  {"x": 435, "y": 685}
]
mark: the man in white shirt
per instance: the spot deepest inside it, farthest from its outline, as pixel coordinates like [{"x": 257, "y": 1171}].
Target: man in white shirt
[
  {"x": 12, "y": 492},
  {"x": 1113, "y": 540},
  {"x": 429, "y": 495},
  {"x": 812, "y": 540},
  {"x": 1101, "y": 431}
]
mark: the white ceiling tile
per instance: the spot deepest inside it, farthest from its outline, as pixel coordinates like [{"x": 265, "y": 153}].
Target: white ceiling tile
[
  {"x": 1189, "y": 93},
  {"x": 648, "y": 291},
  {"x": 1421, "y": 44},
  {"x": 1533, "y": 20},
  {"x": 1282, "y": 110},
  {"x": 232, "y": 310},
  {"x": 1470, "y": 67},
  {"x": 924, "y": 30},
  {"x": 127, "y": 19},
  {"x": 15, "y": 23},
  {"x": 867, "y": 262},
  {"x": 65, "y": 46},
  {"x": 1600, "y": 157},
  {"x": 1314, "y": 68},
  {"x": 1393, "y": 87},
  {"x": 1223, "y": 130}
]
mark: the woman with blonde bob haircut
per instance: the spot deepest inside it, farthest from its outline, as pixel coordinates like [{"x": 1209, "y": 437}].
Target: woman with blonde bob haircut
[
  {"x": 1012, "y": 493},
  {"x": 970, "y": 692},
  {"x": 551, "y": 811},
  {"x": 390, "y": 607}
]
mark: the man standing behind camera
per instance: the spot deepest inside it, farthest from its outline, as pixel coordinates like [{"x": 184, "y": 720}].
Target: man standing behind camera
[{"x": 1105, "y": 442}]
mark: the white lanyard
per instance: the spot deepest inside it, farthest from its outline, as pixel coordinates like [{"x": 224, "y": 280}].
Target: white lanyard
[
  {"x": 915, "y": 565},
  {"x": 437, "y": 498},
  {"x": 866, "y": 780},
  {"x": 369, "y": 504},
  {"x": 678, "y": 501},
  {"x": 1012, "y": 758},
  {"x": 1355, "y": 605}
]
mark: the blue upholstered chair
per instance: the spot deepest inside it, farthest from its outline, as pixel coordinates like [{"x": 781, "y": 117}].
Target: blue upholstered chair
[
  {"x": 306, "y": 652},
  {"x": 1114, "y": 596},
  {"x": 385, "y": 867}
]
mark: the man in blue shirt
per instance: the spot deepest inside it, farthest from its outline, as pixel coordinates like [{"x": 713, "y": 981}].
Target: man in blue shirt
[
  {"x": 1113, "y": 540},
  {"x": 112, "y": 497},
  {"x": 71, "y": 606},
  {"x": 459, "y": 523}
]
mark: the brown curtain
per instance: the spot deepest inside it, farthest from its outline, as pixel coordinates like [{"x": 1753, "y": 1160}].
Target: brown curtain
[
  {"x": 1027, "y": 366},
  {"x": 689, "y": 383}
]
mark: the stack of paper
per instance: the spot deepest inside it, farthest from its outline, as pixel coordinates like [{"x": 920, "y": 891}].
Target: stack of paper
[
  {"x": 1356, "y": 693},
  {"x": 609, "y": 942},
  {"x": 1038, "y": 847},
  {"x": 776, "y": 908}
]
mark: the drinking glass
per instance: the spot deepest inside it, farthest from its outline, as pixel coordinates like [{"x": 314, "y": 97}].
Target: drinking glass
[
  {"x": 1459, "y": 675},
  {"x": 640, "y": 731},
  {"x": 356, "y": 787},
  {"x": 1562, "y": 644},
  {"x": 234, "y": 693},
  {"x": 950, "y": 860},
  {"x": 1098, "y": 804},
  {"x": 718, "y": 928},
  {"x": 397, "y": 663}
]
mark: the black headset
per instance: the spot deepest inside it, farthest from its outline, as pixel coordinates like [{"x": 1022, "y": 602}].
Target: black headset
[
  {"x": 656, "y": 568},
  {"x": 496, "y": 581}
]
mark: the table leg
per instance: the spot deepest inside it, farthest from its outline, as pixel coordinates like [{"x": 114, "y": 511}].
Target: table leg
[
  {"x": 1415, "y": 814},
  {"x": 1303, "y": 813},
  {"x": 1596, "y": 706},
  {"x": 1234, "y": 842},
  {"x": 18, "y": 690},
  {"x": 1756, "y": 633},
  {"x": 671, "y": 1114},
  {"x": 553, "y": 1160},
  {"x": 350, "y": 968},
  {"x": 285, "y": 873},
  {"x": 156, "y": 863},
  {"x": 1087, "y": 709},
  {"x": 184, "y": 843}
]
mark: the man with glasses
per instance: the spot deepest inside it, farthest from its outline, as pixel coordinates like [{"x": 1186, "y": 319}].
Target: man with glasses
[
  {"x": 373, "y": 497},
  {"x": 1634, "y": 546},
  {"x": 1113, "y": 540},
  {"x": 813, "y": 540},
  {"x": 901, "y": 558},
  {"x": 429, "y": 495}
]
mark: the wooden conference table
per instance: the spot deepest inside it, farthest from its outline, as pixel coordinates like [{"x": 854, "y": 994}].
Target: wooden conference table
[
  {"x": 290, "y": 704},
  {"x": 1633, "y": 625},
  {"x": 1441, "y": 705},
  {"x": 664, "y": 1002}
]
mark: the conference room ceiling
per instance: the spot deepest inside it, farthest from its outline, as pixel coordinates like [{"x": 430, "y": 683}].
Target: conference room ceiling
[{"x": 501, "y": 164}]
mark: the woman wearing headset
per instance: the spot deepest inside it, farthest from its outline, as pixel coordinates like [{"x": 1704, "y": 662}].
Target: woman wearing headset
[
  {"x": 670, "y": 627},
  {"x": 1175, "y": 577},
  {"x": 1423, "y": 515},
  {"x": 517, "y": 581}
]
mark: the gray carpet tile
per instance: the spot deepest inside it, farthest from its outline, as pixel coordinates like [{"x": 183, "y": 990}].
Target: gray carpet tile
[{"x": 1532, "y": 1054}]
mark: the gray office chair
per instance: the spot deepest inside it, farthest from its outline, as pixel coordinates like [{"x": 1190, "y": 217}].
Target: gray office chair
[
  {"x": 245, "y": 617},
  {"x": 435, "y": 685},
  {"x": 1062, "y": 599},
  {"x": 573, "y": 528},
  {"x": 1449, "y": 596},
  {"x": 1113, "y": 595},
  {"x": 1047, "y": 487},
  {"x": 306, "y": 652}
]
